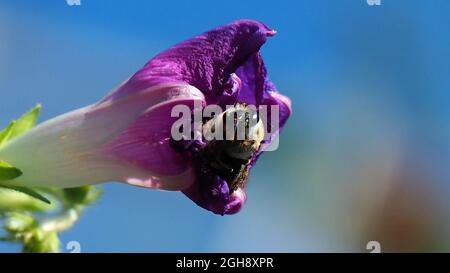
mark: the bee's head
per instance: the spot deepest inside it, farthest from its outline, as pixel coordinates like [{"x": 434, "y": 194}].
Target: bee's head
[{"x": 242, "y": 130}]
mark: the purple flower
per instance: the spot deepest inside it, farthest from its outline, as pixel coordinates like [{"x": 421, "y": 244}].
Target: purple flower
[{"x": 127, "y": 135}]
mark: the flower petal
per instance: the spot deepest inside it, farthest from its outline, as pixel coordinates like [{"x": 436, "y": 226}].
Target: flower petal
[
  {"x": 146, "y": 142},
  {"x": 253, "y": 76},
  {"x": 66, "y": 151},
  {"x": 205, "y": 61},
  {"x": 212, "y": 193}
]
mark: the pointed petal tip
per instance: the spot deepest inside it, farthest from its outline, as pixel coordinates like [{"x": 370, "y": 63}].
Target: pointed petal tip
[
  {"x": 268, "y": 31},
  {"x": 272, "y": 33}
]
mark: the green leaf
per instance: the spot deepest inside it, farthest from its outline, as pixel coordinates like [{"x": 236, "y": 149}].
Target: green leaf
[
  {"x": 11, "y": 200},
  {"x": 27, "y": 191},
  {"x": 77, "y": 195},
  {"x": 5, "y": 134},
  {"x": 82, "y": 195},
  {"x": 8, "y": 172},
  {"x": 20, "y": 126},
  {"x": 26, "y": 122}
]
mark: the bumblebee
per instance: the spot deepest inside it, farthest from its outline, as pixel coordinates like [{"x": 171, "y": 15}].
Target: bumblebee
[{"x": 230, "y": 157}]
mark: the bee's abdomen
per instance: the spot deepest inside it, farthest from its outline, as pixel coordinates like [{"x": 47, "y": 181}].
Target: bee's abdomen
[{"x": 227, "y": 167}]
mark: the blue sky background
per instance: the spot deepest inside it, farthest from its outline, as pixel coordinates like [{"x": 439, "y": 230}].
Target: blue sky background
[{"x": 370, "y": 88}]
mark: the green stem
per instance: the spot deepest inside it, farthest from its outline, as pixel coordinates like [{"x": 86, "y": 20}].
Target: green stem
[{"x": 63, "y": 221}]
